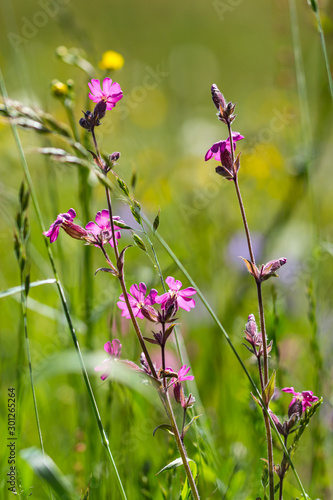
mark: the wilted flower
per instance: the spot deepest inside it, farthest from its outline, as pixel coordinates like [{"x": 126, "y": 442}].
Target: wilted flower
[
  {"x": 110, "y": 94},
  {"x": 219, "y": 147},
  {"x": 111, "y": 60},
  {"x": 65, "y": 221},
  {"x": 305, "y": 397},
  {"x": 176, "y": 295},
  {"x": 113, "y": 349},
  {"x": 101, "y": 228},
  {"x": 137, "y": 300}
]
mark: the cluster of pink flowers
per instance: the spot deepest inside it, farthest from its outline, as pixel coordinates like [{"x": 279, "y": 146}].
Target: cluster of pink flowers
[{"x": 175, "y": 296}]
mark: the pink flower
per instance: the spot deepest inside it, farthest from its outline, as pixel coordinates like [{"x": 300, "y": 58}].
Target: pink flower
[
  {"x": 113, "y": 349},
  {"x": 218, "y": 148},
  {"x": 101, "y": 228},
  {"x": 175, "y": 294},
  {"x": 182, "y": 375},
  {"x": 65, "y": 221},
  {"x": 110, "y": 94},
  {"x": 137, "y": 300},
  {"x": 306, "y": 397}
]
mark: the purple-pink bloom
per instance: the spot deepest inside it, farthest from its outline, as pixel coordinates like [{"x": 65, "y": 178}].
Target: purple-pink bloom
[
  {"x": 65, "y": 221},
  {"x": 101, "y": 228},
  {"x": 110, "y": 94},
  {"x": 175, "y": 294},
  {"x": 306, "y": 397},
  {"x": 137, "y": 300},
  {"x": 113, "y": 349},
  {"x": 218, "y": 148},
  {"x": 182, "y": 375}
]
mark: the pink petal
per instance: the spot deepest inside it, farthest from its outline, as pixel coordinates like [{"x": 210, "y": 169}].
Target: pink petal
[
  {"x": 151, "y": 297},
  {"x": 54, "y": 234},
  {"x": 95, "y": 98},
  {"x": 187, "y": 292},
  {"x": 170, "y": 281},
  {"x": 95, "y": 87},
  {"x": 115, "y": 88},
  {"x": 186, "y": 303},
  {"x": 106, "y": 85},
  {"x": 291, "y": 390}
]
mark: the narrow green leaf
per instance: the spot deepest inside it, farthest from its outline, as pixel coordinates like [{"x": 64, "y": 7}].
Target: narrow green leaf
[
  {"x": 123, "y": 186},
  {"x": 47, "y": 470},
  {"x": 186, "y": 428},
  {"x": 164, "y": 427},
  {"x": 270, "y": 388},
  {"x": 173, "y": 465},
  {"x": 18, "y": 289}
]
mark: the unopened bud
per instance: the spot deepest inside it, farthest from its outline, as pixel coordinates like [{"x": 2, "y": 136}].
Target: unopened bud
[
  {"x": 251, "y": 326},
  {"x": 217, "y": 96},
  {"x": 100, "y": 110},
  {"x": 269, "y": 269},
  {"x": 59, "y": 89},
  {"x": 114, "y": 157},
  {"x": 295, "y": 407}
]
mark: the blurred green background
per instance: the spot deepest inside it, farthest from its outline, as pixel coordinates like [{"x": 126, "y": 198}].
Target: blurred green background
[{"x": 163, "y": 127}]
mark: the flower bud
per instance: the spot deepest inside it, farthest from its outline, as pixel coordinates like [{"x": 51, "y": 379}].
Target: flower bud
[
  {"x": 269, "y": 269},
  {"x": 218, "y": 98},
  {"x": 59, "y": 89},
  {"x": 114, "y": 157}
]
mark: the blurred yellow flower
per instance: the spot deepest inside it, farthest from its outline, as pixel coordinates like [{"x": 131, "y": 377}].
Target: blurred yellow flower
[
  {"x": 111, "y": 60},
  {"x": 59, "y": 89}
]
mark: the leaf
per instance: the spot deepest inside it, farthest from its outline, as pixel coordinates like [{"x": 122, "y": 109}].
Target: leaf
[
  {"x": 121, "y": 259},
  {"x": 139, "y": 243},
  {"x": 269, "y": 389},
  {"x": 18, "y": 289},
  {"x": 47, "y": 470},
  {"x": 256, "y": 400},
  {"x": 251, "y": 268},
  {"x": 173, "y": 465},
  {"x": 168, "y": 331},
  {"x": 151, "y": 341},
  {"x": 156, "y": 222},
  {"x": 106, "y": 270},
  {"x": 164, "y": 427},
  {"x": 186, "y": 491},
  {"x": 186, "y": 428}
]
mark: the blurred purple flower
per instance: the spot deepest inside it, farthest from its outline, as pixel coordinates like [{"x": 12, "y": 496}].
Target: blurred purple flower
[
  {"x": 113, "y": 349},
  {"x": 306, "y": 397},
  {"x": 65, "y": 221},
  {"x": 137, "y": 300},
  {"x": 175, "y": 294},
  {"x": 110, "y": 94},
  {"x": 101, "y": 228},
  {"x": 218, "y": 148}
]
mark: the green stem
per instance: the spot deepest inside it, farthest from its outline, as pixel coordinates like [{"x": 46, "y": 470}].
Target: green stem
[
  {"x": 314, "y": 6},
  {"x": 62, "y": 296},
  {"x": 180, "y": 446}
]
